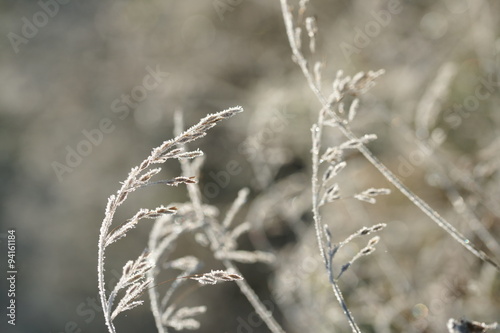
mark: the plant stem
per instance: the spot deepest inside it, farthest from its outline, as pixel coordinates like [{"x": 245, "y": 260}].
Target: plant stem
[{"x": 417, "y": 201}]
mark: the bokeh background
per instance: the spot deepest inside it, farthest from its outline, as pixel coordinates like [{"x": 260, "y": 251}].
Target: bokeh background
[{"x": 65, "y": 68}]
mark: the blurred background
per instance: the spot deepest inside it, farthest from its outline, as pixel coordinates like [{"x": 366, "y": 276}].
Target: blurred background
[{"x": 89, "y": 88}]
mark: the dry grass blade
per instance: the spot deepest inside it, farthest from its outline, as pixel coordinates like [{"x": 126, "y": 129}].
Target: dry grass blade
[
  {"x": 359, "y": 84},
  {"x": 133, "y": 277}
]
